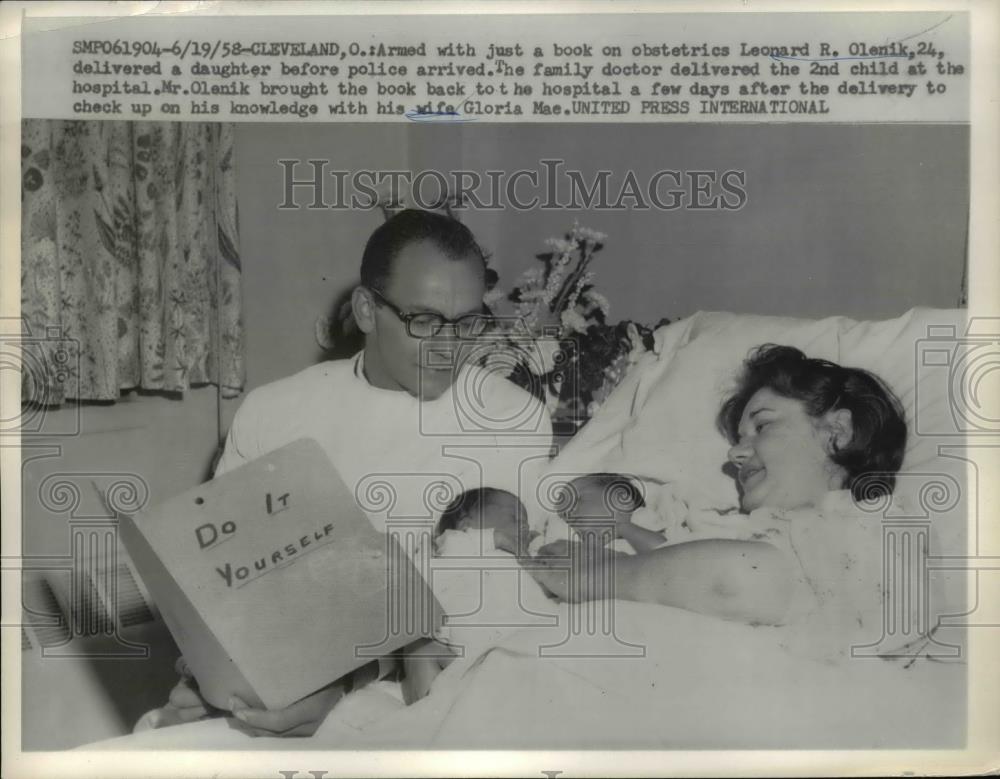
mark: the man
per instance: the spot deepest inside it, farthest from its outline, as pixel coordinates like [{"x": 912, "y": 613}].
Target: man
[{"x": 409, "y": 411}]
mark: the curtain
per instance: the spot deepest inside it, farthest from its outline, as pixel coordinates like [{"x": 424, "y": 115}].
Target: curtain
[{"x": 130, "y": 266}]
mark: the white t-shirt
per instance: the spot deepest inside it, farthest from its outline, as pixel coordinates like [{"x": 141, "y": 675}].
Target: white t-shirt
[{"x": 405, "y": 459}]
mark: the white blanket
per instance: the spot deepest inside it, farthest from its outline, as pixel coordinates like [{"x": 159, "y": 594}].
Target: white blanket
[{"x": 699, "y": 683}]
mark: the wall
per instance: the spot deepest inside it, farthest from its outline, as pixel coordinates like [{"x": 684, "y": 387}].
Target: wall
[
  {"x": 866, "y": 221},
  {"x": 169, "y": 443},
  {"x": 296, "y": 262},
  {"x": 859, "y": 220}
]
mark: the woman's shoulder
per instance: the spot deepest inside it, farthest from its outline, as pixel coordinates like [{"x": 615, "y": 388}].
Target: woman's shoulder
[
  {"x": 838, "y": 504},
  {"x": 840, "y": 526},
  {"x": 844, "y": 505}
]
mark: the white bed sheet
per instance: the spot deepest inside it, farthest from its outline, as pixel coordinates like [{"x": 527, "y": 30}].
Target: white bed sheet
[{"x": 701, "y": 683}]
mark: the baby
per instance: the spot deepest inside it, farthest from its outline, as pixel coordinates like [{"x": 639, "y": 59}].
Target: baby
[
  {"x": 481, "y": 523},
  {"x": 484, "y": 510},
  {"x": 600, "y": 507}
]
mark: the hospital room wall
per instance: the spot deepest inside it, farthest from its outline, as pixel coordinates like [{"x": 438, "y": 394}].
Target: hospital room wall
[
  {"x": 866, "y": 221},
  {"x": 861, "y": 220}
]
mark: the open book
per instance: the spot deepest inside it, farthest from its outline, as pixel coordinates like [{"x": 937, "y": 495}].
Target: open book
[{"x": 273, "y": 582}]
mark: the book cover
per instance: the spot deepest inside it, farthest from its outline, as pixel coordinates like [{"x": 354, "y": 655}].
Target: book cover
[{"x": 273, "y": 582}]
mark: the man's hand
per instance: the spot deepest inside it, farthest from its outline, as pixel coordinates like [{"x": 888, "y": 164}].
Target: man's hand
[
  {"x": 185, "y": 703},
  {"x": 422, "y": 662},
  {"x": 421, "y": 672},
  {"x": 301, "y": 718}
]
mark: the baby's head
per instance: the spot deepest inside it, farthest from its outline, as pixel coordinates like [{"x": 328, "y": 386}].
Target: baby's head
[
  {"x": 599, "y": 498},
  {"x": 484, "y": 509}
]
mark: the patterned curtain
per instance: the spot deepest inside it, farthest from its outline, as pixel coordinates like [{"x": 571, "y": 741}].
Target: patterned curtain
[{"x": 130, "y": 266}]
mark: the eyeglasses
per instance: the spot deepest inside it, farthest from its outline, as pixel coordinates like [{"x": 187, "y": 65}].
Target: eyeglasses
[{"x": 426, "y": 324}]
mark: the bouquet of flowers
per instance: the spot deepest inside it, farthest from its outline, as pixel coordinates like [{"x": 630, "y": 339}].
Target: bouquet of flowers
[{"x": 555, "y": 338}]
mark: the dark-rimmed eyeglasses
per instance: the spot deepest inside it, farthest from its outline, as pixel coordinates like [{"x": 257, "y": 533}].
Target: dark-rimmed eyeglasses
[{"x": 427, "y": 324}]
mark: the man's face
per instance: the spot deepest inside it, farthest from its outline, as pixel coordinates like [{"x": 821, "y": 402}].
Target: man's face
[{"x": 423, "y": 280}]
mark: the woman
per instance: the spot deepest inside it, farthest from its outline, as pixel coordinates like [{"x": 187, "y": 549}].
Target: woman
[{"x": 809, "y": 438}]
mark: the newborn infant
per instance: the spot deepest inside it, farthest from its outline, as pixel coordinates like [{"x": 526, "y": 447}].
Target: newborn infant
[
  {"x": 601, "y": 508},
  {"x": 497, "y": 514},
  {"x": 483, "y": 591},
  {"x": 633, "y": 515}
]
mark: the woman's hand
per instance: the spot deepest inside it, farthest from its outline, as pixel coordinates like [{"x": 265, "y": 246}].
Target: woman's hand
[
  {"x": 558, "y": 548},
  {"x": 553, "y": 579},
  {"x": 577, "y": 571},
  {"x": 513, "y": 539},
  {"x": 301, "y": 718},
  {"x": 546, "y": 571},
  {"x": 642, "y": 540}
]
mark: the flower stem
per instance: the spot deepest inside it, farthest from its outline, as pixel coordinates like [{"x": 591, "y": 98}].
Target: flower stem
[{"x": 571, "y": 280}]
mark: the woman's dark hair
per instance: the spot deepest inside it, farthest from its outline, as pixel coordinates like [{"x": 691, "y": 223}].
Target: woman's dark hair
[
  {"x": 879, "y": 440},
  {"x": 449, "y": 235}
]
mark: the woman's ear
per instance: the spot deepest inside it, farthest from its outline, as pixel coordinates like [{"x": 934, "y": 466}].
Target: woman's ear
[
  {"x": 840, "y": 425},
  {"x": 363, "y": 307}
]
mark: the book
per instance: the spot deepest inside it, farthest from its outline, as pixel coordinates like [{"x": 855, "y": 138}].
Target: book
[{"x": 273, "y": 582}]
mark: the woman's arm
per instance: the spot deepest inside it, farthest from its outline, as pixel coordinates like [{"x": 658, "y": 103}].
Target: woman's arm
[
  {"x": 738, "y": 580},
  {"x": 642, "y": 540}
]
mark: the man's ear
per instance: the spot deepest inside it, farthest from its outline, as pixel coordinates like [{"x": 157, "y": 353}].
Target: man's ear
[
  {"x": 840, "y": 425},
  {"x": 363, "y": 307}
]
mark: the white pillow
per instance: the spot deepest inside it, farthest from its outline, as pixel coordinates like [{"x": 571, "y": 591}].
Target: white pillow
[
  {"x": 897, "y": 351},
  {"x": 659, "y": 423},
  {"x": 601, "y": 436},
  {"x": 914, "y": 355},
  {"x": 663, "y": 414}
]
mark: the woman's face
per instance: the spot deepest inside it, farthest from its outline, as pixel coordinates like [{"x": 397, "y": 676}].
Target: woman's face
[{"x": 782, "y": 454}]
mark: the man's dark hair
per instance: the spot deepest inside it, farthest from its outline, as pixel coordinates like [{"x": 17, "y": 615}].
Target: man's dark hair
[
  {"x": 878, "y": 442},
  {"x": 452, "y": 237}
]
